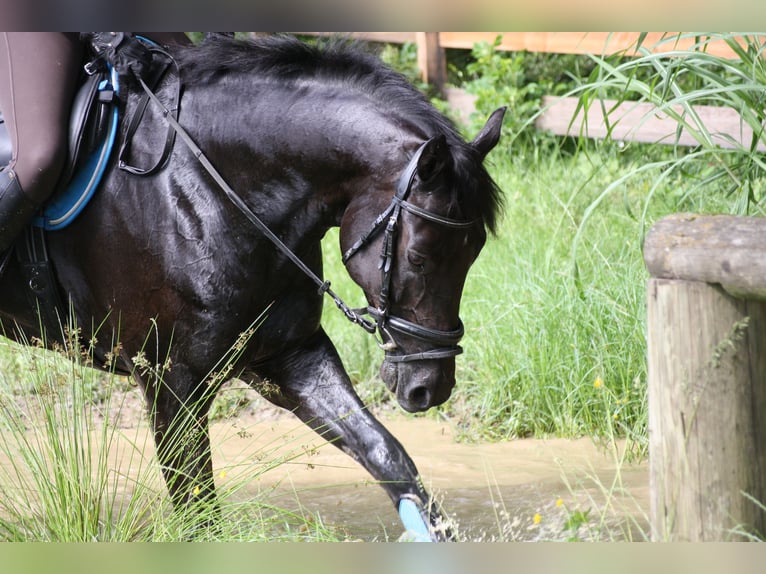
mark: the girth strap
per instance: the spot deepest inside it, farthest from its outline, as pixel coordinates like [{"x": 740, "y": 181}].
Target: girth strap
[{"x": 43, "y": 292}]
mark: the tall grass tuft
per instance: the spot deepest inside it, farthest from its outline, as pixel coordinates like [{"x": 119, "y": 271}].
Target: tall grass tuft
[
  {"x": 675, "y": 81},
  {"x": 72, "y": 471},
  {"x": 58, "y": 446}
]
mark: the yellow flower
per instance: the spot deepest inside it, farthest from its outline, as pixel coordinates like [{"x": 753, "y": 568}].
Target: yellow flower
[
  {"x": 196, "y": 491},
  {"x": 559, "y": 503},
  {"x": 222, "y": 474},
  {"x": 537, "y": 519},
  {"x": 598, "y": 383}
]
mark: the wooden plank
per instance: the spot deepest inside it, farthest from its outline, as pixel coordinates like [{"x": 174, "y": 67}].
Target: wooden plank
[
  {"x": 550, "y": 42},
  {"x": 579, "y": 42},
  {"x": 724, "y": 249},
  {"x": 707, "y": 411},
  {"x": 639, "y": 122},
  {"x": 385, "y": 37}
]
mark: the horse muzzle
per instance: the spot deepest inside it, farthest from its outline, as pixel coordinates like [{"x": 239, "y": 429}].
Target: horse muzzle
[
  {"x": 420, "y": 379},
  {"x": 419, "y": 386}
]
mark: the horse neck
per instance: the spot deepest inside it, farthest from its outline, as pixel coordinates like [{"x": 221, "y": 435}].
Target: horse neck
[{"x": 310, "y": 163}]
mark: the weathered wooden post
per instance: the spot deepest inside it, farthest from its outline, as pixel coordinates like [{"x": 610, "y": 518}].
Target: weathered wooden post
[
  {"x": 432, "y": 61},
  {"x": 706, "y": 353}
]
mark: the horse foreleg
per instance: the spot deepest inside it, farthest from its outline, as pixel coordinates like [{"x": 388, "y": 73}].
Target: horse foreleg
[
  {"x": 182, "y": 441},
  {"x": 314, "y": 385}
]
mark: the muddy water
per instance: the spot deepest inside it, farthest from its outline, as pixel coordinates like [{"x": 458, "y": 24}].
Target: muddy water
[{"x": 492, "y": 491}]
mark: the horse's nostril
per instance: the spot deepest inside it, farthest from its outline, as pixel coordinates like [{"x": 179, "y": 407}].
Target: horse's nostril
[{"x": 420, "y": 396}]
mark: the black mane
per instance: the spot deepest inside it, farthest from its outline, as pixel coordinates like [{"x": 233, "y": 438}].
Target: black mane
[{"x": 340, "y": 60}]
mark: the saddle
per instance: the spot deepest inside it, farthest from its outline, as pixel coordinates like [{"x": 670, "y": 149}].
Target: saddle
[
  {"x": 93, "y": 126},
  {"x": 92, "y": 130}
]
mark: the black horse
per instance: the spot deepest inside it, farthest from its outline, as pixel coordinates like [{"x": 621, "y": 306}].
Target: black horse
[{"x": 309, "y": 138}]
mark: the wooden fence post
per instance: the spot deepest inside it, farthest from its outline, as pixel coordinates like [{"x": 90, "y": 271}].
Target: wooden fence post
[
  {"x": 706, "y": 353},
  {"x": 432, "y": 61}
]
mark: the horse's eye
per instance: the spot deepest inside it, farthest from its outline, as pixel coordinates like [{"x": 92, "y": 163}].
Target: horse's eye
[{"x": 416, "y": 260}]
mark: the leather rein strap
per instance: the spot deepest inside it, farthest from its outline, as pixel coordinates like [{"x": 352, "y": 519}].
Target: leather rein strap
[
  {"x": 384, "y": 323},
  {"x": 138, "y": 114}
]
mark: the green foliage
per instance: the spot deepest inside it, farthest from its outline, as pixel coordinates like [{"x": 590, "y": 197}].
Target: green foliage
[
  {"x": 574, "y": 521},
  {"x": 675, "y": 81},
  {"x": 518, "y": 80},
  {"x": 498, "y": 79}
]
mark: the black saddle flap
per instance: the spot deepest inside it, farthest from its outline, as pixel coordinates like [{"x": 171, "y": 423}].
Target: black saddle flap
[{"x": 87, "y": 122}]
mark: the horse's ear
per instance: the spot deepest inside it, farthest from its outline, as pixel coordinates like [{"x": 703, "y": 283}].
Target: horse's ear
[
  {"x": 433, "y": 158},
  {"x": 490, "y": 133}
]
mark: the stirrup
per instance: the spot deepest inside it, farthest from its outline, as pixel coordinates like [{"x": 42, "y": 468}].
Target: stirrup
[{"x": 16, "y": 209}]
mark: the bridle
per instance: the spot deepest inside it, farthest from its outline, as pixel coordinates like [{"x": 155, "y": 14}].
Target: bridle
[
  {"x": 446, "y": 342},
  {"x": 387, "y": 324}
]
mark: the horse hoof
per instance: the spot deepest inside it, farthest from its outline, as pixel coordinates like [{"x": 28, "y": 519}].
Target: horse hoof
[
  {"x": 415, "y": 527},
  {"x": 421, "y": 525}
]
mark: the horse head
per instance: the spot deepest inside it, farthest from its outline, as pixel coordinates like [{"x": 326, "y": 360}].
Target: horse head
[{"x": 427, "y": 238}]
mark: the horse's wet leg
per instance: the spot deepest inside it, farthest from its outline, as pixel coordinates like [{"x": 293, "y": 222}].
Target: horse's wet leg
[
  {"x": 314, "y": 385},
  {"x": 182, "y": 441}
]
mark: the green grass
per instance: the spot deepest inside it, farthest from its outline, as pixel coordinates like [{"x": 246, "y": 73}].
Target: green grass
[
  {"x": 544, "y": 322},
  {"x": 69, "y": 472}
]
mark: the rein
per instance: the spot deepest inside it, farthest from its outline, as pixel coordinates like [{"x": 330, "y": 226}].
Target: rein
[{"x": 384, "y": 322}]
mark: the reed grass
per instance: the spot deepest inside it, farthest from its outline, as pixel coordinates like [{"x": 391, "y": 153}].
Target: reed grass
[{"x": 71, "y": 472}]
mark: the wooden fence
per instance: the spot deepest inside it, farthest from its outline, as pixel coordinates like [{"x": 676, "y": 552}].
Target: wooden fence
[
  {"x": 630, "y": 122},
  {"x": 641, "y": 122},
  {"x": 706, "y": 358},
  {"x": 431, "y": 45}
]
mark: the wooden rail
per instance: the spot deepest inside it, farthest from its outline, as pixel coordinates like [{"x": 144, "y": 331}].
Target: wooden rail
[
  {"x": 431, "y": 45},
  {"x": 640, "y": 122},
  {"x": 706, "y": 357}
]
